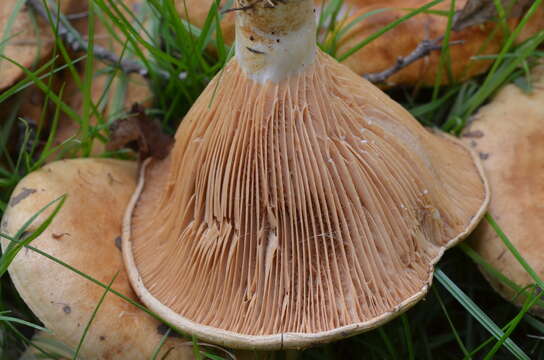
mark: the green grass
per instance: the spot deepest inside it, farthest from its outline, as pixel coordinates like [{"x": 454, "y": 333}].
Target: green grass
[{"x": 461, "y": 317}]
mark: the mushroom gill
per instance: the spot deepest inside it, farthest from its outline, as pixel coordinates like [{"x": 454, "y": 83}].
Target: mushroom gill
[{"x": 299, "y": 203}]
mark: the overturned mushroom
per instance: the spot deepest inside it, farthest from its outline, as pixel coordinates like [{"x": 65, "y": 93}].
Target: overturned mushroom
[
  {"x": 86, "y": 235},
  {"x": 509, "y": 135},
  {"x": 299, "y": 204}
]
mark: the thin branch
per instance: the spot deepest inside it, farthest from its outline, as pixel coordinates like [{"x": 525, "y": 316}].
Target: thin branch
[
  {"x": 76, "y": 41},
  {"x": 241, "y": 8},
  {"x": 424, "y": 48},
  {"x": 251, "y": 5}
]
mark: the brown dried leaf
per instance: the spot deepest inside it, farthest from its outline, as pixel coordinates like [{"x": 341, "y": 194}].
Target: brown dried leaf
[{"x": 145, "y": 132}]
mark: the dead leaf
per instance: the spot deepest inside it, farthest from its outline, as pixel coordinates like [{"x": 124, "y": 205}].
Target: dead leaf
[{"x": 140, "y": 130}]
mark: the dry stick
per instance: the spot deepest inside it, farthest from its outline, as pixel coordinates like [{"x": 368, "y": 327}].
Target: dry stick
[
  {"x": 424, "y": 48},
  {"x": 75, "y": 40},
  {"x": 251, "y": 5},
  {"x": 241, "y": 8}
]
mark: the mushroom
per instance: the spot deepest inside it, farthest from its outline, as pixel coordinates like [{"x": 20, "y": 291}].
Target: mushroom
[
  {"x": 24, "y": 40},
  {"x": 382, "y": 53},
  {"x": 86, "y": 235},
  {"x": 299, "y": 203},
  {"x": 508, "y": 134},
  {"x": 483, "y": 38}
]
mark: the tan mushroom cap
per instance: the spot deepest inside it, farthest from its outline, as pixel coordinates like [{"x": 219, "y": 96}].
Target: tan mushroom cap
[
  {"x": 28, "y": 41},
  {"x": 295, "y": 212},
  {"x": 84, "y": 234},
  {"x": 382, "y": 53},
  {"x": 509, "y": 134}
]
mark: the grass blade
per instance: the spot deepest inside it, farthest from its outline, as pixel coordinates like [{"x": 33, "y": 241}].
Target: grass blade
[
  {"x": 20, "y": 240},
  {"x": 386, "y": 28},
  {"x": 93, "y": 316},
  {"x": 478, "y": 314}
]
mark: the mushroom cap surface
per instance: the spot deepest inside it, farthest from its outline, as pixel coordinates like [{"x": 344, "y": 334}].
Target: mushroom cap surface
[
  {"x": 381, "y": 54},
  {"x": 508, "y": 134},
  {"x": 28, "y": 41},
  {"x": 85, "y": 234},
  {"x": 298, "y": 212}
]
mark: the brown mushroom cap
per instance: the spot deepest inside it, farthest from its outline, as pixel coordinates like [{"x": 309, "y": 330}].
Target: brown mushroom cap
[
  {"x": 295, "y": 212},
  {"x": 27, "y": 42},
  {"x": 84, "y": 234},
  {"x": 509, "y": 135},
  {"x": 381, "y": 54}
]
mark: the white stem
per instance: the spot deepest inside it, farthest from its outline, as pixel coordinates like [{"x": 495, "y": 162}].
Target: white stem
[{"x": 274, "y": 43}]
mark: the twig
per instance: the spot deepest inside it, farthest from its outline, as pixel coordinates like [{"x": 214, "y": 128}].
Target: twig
[
  {"x": 424, "y": 48},
  {"x": 241, "y": 8},
  {"x": 76, "y": 41},
  {"x": 77, "y": 16},
  {"x": 251, "y": 5}
]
